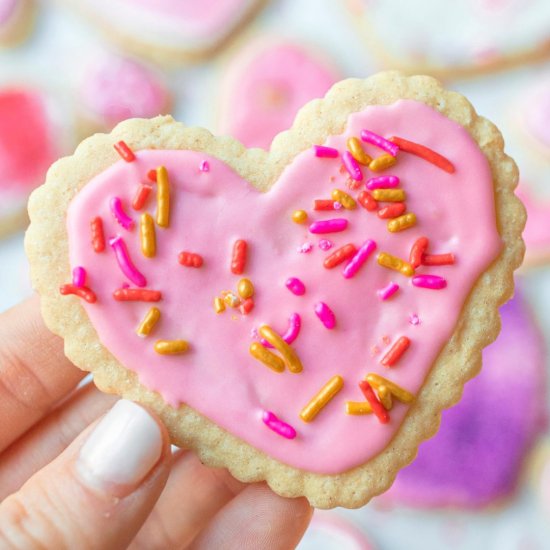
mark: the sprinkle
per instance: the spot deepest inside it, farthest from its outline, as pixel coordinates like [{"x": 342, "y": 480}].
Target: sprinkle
[
  {"x": 326, "y": 315},
  {"x": 377, "y": 407},
  {"x": 402, "y": 222},
  {"x": 438, "y": 259},
  {"x": 358, "y": 407},
  {"x": 396, "y": 352},
  {"x": 366, "y": 201},
  {"x": 247, "y": 306},
  {"x": 152, "y": 175},
  {"x": 142, "y": 194},
  {"x": 204, "y": 166},
  {"x": 389, "y": 195},
  {"x": 137, "y": 295},
  {"x": 238, "y": 258},
  {"x": 125, "y": 263},
  {"x": 424, "y": 152},
  {"x": 382, "y": 162},
  {"x": 124, "y": 151},
  {"x": 344, "y": 199},
  {"x": 171, "y": 347},
  {"x": 433, "y": 282},
  {"x": 357, "y": 152},
  {"x": 219, "y": 305},
  {"x": 299, "y": 216},
  {"x": 79, "y": 276},
  {"x": 147, "y": 235},
  {"x": 388, "y": 291},
  {"x": 81, "y": 291},
  {"x": 340, "y": 255},
  {"x": 98, "y": 237},
  {"x": 352, "y": 167},
  {"x": 278, "y": 426},
  {"x": 399, "y": 393},
  {"x": 337, "y": 205},
  {"x": 290, "y": 357},
  {"x": 149, "y": 321},
  {"x": 414, "y": 319},
  {"x": 392, "y": 211},
  {"x": 385, "y": 397},
  {"x": 190, "y": 259},
  {"x": 374, "y": 139},
  {"x": 245, "y": 288},
  {"x": 295, "y": 286},
  {"x": 269, "y": 359},
  {"x": 294, "y": 326},
  {"x": 325, "y": 244},
  {"x": 231, "y": 299},
  {"x": 322, "y": 151},
  {"x": 397, "y": 264},
  {"x": 417, "y": 251},
  {"x": 163, "y": 197},
  {"x": 329, "y": 226},
  {"x": 321, "y": 398},
  {"x": 360, "y": 257},
  {"x": 382, "y": 182},
  {"x": 305, "y": 248},
  {"x": 323, "y": 205}
]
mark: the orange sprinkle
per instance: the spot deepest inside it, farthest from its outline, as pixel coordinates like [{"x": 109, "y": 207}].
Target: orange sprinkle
[
  {"x": 438, "y": 259},
  {"x": 395, "y": 352},
  {"x": 124, "y": 151},
  {"x": 367, "y": 201},
  {"x": 81, "y": 291},
  {"x": 339, "y": 256},
  {"x": 98, "y": 236},
  {"x": 377, "y": 407},
  {"x": 392, "y": 211},
  {"x": 190, "y": 259},
  {"x": 143, "y": 192},
  {"x": 417, "y": 251},
  {"x": 238, "y": 259}
]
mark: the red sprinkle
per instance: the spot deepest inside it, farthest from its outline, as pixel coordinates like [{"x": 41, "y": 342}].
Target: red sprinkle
[
  {"x": 417, "y": 251},
  {"x": 238, "y": 259},
  {"x": 323, "y": 205},
  {"x": 377, "y": 407},
  {"x": 339, "y": 256},
  {"x": 395, "y": 352},
  {"x": 247, "y": 306},
  {"x": 143, "y": 192},
  {"x": 424, "y": 152},
  {"x": 80, "y": 291},
  {"x": 152, "y": 175},
  {"x": 366, "y": 200},
  {"x": 137, "y": 295},
  {"x": 190, "y": 259},
  {"x": 392, "y": 210},
  {"x": 98, "y": 236},
  {"x": 124, "y": 151},
  {"x": 438, "y": 259}
]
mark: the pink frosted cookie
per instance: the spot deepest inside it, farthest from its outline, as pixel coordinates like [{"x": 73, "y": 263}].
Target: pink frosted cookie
[
  {"x": 277, "y": 311},
  {"x": 266, "y": 84},
  {"x": 16, "y": 19}
]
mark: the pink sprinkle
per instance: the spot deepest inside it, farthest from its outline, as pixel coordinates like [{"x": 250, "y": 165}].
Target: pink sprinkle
[
  {"x": 325, "y": 244},
  {"x": 414, "y": 319},
  {"x": 295, "y": 286},
  {"x": 205, "y": 166},
  {"x": 329, "y": 226},
  {"x": 433, "y": 282},
  {"x": 360, "y": 257},
  {"x": 125, "y": 263},
  {"x": 325, "y": 152},
  {"x": 278, "y": 426},
  {"x": 79, "y": 276},
  {"x": 352, "y": 166},
  {"x": 388, "y": 291},
  {"x": 118, "y": 212},
  {"x": 326, "y": 315},
  {"x": 305, "y": 248},
  {"x": 382, "y": 182},
  {"x": 379, "y": 141},
  {"x": 294, "y": 326},
  {"x": 337, "y": 205}
]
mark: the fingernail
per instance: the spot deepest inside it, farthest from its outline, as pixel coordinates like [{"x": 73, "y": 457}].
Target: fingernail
[{"x": 120, "y": 452}]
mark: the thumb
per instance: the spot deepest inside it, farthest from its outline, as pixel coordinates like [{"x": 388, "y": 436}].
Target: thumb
[{"x": 98, "y": 492}]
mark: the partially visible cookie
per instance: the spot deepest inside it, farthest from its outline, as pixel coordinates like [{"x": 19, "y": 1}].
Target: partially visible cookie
[{"x": 16, "y": 21}]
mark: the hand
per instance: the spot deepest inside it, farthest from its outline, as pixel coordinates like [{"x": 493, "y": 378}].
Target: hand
[{"x": 71, "y": 479}]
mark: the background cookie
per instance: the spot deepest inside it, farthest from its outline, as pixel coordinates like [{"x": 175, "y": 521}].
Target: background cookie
[{"x": 16, "y": 20}]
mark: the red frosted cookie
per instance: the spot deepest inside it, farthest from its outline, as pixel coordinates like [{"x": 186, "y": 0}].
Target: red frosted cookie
[{"x": 300, "y": 315}]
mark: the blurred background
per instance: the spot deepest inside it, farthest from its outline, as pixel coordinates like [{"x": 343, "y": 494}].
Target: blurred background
[{"x": 74, "y": 67}]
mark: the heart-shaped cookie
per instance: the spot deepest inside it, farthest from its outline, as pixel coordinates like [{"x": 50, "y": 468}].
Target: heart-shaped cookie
[{"x": 210, "y": 259}]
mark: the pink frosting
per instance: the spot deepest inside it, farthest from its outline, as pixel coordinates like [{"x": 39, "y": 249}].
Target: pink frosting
[{"x": 210, "y": 210}]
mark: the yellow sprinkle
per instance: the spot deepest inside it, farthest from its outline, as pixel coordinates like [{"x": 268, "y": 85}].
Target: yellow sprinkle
[
  {"x": 231, "y": 299},
  {"x": 274, "y": 362},
  {"x": 163, "y": 197},
  {"x": 358, "y": 407},
  {"x": 289, "y": 355},
  {"x": 325, "y": 394},
  {"x": 299, "y": 216},
  {"x": 245, "y": 289},
  {"x": 219, "y": 305},
  {"x": 147, "y": 235},
  {"x": 376, "y": 381},
  {"x": 384, "y": 395},
  {"x": 149, "y": 321},
  {"x": 397, "y": 264},
  {"x": 356, "y": 150},
  {"x": 171, "y": 347},
  {"x": 344, "y": 199},
  {"x": 389, "y": 195},
  {"x": 402, "y": 222},
  {"x": 382, "y": 162}
]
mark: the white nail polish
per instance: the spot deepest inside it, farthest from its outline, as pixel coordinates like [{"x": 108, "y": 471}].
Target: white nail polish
[{"x": 120, "y": 452}]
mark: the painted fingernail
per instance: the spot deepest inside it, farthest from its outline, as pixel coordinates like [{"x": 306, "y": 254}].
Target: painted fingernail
[{"x": 120, "y": 452}]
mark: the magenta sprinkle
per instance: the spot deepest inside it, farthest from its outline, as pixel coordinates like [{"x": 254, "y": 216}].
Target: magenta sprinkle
[
  {"x": 326, "y": 315},
  {"x": 295, "y": 286},
  {"x": 360, "y": 257},
  {"x": 278, "y": 426},
  {"x": 79, "y": 276},
  {"x": 382, "y": 182},
  {"x": 388, "y": 291},
  {"x": 325, "y": 244},
  {"x": 205, "y": 166},
  {"x": 118, "y": 212},
  {"x": 125, "y": 263},
  {"x": 433, "y": 282},
  {"x": 322, "y": 151},
  {"x": 379, "y": 141},
  {"x": 294, "y": 326},
  {"x": 352, "y": 166},
  {"x": 329, "y": 226}
]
